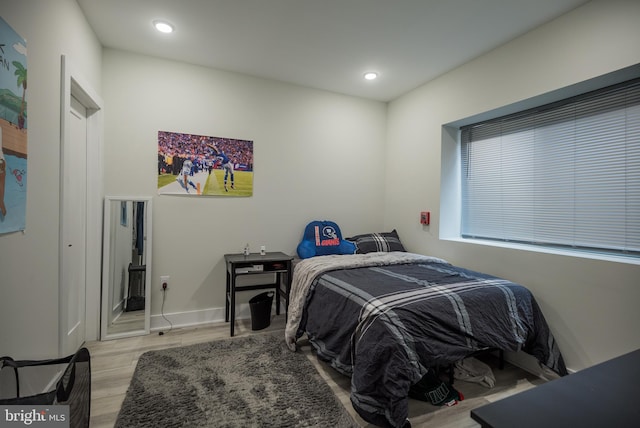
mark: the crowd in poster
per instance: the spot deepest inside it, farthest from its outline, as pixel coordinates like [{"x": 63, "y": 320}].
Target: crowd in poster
[
  {"x": 13, "y": 129},
  {"x": 200, "y": 165}
]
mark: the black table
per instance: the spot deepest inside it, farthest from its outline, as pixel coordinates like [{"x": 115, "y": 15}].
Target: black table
[
  {"x": 604, "y": 395},
  {"x": 238, "y": 265}
]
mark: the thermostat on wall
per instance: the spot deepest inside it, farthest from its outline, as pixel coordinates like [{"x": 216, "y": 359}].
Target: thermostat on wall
[{"x": 425, "y": 217}]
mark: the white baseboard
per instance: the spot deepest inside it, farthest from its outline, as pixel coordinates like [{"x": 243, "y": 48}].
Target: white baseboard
[
  {"x": 198, "y": 318},
  {"x": 243, "y": 311},
  {"x": 529, "y": 364}
]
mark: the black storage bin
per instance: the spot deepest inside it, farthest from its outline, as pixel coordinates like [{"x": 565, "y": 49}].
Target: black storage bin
[
  {"x": 261, "y": 310},
  {"x": 73, "y": 387}
]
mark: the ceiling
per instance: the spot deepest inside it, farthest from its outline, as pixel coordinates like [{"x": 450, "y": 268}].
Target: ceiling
[{"x": 323, "y": 44}]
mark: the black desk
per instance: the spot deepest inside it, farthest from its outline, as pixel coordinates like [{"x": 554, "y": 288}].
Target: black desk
[
  {"x": 604, "y": 395},
  {"x": 240, "y": 265}
]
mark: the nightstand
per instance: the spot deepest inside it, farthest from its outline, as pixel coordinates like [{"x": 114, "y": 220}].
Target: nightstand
[{"x": 254, "y": 264}]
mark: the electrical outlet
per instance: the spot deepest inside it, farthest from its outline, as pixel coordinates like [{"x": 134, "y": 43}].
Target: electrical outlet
[{"x": 164, "y": 282}]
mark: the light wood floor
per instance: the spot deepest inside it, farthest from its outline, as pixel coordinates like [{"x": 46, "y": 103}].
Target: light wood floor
[
  {"x": 127, "y": 321},
  {"x": 113, "y": 363}
]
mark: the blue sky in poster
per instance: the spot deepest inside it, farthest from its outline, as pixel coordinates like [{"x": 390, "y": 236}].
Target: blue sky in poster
[{"x": 12, "y": 48}]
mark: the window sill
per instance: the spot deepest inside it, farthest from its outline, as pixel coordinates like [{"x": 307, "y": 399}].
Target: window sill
[{"x": 546, "y": 250}]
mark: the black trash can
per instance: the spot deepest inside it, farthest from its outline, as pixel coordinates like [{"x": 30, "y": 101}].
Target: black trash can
[{"x": 261, "y": 310}]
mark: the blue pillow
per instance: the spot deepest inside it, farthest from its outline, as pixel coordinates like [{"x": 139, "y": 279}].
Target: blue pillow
[{"x": 322, "y": 238}]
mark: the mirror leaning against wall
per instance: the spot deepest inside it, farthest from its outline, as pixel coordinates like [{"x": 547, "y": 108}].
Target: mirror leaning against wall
[{"x": 126, "y": 267}]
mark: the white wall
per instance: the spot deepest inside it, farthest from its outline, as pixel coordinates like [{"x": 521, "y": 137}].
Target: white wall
[
  {"x": 592, "y": 306},
  {"x": 317, "y": 155},
  {"x": 29, "y": 262}
]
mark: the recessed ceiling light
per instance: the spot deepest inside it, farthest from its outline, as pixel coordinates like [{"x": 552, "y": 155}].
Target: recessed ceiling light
[
  {"x": 163, "y": 26},
  {"x": 370, "y": 75}
]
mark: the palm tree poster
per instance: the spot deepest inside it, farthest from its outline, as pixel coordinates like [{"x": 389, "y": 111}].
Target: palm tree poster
[
  {"x": 13, "y": 130},
  {"x": 200, "y": 165}
]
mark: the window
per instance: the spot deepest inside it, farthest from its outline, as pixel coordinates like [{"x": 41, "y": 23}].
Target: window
[{"x": 565, "y": 174}]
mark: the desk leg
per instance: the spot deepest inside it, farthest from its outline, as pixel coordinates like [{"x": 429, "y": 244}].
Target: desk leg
[
  {"x": 288, "y": 279},
  {"x": 232, "y": 297},
  {"x": 278, "y": 285},
  {"x": 227, "y": 297}
]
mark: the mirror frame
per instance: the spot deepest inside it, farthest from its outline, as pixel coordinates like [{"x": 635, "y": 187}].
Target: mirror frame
[{"x": 106, "y": 266}]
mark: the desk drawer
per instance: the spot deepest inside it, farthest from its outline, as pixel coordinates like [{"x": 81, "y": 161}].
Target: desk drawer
[{"x": 252, "y": 268}]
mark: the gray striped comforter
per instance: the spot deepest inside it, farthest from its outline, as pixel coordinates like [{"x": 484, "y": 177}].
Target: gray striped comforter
[{"x": 386, "y": 325}]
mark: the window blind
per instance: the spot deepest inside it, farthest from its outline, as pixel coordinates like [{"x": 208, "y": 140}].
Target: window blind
[{"x": 564, "y": 174}]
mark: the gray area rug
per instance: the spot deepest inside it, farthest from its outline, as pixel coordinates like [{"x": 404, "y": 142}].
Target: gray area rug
[{"x": 253, "y": 381}]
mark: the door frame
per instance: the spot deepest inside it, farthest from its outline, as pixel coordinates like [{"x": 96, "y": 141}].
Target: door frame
[{"x": 72, "y": 83}]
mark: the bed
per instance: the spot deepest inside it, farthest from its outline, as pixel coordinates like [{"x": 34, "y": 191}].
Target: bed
[{"x": 385, "y": 317}]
